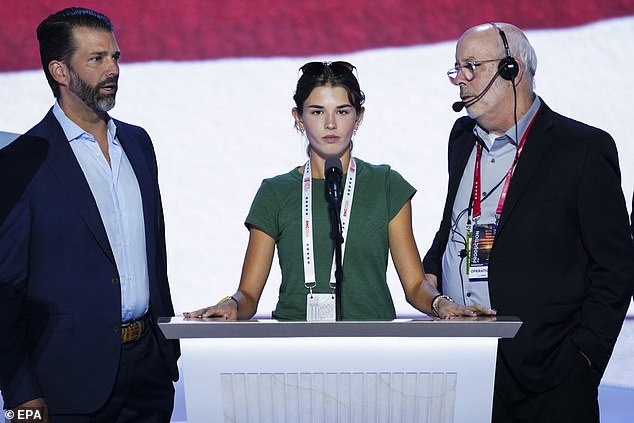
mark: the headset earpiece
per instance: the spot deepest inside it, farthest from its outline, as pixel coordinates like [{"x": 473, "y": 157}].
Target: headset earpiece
[{"x": 508, "y": 67}]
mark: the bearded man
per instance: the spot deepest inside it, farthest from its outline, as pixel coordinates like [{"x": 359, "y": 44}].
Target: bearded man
[{"x": 83, "y": 271}]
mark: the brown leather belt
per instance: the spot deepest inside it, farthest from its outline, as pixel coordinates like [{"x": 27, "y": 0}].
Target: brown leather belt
[{"x": 132, "y": 331}]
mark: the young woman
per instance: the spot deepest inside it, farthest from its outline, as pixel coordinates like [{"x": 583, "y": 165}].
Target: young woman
[{"x": 292, "y": 212}]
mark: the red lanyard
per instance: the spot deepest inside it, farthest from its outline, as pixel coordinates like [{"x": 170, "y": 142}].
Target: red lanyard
[{"x": 477, "y": 178}]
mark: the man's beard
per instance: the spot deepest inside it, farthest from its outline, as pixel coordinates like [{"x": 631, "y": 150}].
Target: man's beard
[{"x": 90, "y": 95}]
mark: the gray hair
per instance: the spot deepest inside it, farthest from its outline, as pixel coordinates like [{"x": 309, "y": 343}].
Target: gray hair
[{"x": 521, "y": 49}]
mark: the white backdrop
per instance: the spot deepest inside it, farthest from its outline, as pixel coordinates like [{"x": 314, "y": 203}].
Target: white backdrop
[{"x": 220, "y": 127}]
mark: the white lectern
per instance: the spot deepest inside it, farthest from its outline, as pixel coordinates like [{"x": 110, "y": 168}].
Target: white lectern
[{"x": 289, "y": 372}]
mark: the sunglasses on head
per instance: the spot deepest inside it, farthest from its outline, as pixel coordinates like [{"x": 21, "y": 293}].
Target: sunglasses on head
[{"x": 317, "y": 67}]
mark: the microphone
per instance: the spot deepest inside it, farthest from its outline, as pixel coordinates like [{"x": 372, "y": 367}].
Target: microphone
[
  {"x": 333, "y": 172},
  {"x": 459, "y": 105}
]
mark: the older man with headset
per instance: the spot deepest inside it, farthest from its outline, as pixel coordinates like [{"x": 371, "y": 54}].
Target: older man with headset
[{"x": 535, "y": 225}]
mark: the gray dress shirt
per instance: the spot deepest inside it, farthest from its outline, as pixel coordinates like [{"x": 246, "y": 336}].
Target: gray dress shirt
[{"x": 498, "y": 154}]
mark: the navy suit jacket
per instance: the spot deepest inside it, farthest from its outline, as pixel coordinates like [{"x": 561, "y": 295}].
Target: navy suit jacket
[
  {"x": 60, "y": 295},
  {"x": 562, "y": 260}
]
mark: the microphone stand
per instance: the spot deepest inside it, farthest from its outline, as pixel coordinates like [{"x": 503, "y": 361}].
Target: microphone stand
[
  {"x": 337, "y": 238},
  {"x": 333, "y": 173}
]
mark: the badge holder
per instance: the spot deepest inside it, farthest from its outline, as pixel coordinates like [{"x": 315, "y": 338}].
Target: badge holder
[
  {"x": 480, "y": 240},
  {"x": 320, "y": 307}
]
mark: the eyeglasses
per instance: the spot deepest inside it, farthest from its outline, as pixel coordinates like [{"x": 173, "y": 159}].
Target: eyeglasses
[
  {"x": 468, "y": 70},
  {"x": 317, "y": 68}
]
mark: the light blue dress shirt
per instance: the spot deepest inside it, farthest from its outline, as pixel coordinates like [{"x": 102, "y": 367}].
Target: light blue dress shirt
[
  {"x": 118, "y": 197},
  {"x": 497, "y": 157}
]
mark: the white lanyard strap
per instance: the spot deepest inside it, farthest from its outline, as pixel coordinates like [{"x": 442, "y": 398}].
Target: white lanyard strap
[{"x": 310, "y": 281}]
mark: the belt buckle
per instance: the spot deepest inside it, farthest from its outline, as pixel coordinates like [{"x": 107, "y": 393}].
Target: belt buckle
[{"x": 133, "y": 330}]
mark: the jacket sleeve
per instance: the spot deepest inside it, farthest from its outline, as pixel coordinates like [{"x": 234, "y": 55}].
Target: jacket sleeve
[
  {"x": 605, "y": 234},
  {"x": 432, "y": 262},
  {"x": 18, "y": 382},
  {"x": 19, "y": 162}
]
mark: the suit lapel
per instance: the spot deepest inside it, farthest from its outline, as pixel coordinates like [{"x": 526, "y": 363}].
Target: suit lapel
[
  {"x": 538, "y": 141},
  {"x": 464, "y": 147},
  {"x": 64, "y": 165}
]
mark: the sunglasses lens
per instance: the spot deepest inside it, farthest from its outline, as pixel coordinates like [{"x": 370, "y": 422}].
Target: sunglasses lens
[
  {"x": 345, "y": 65},
  {"x": 318, "y": 67},
  {"x": 312, "y": 67}
]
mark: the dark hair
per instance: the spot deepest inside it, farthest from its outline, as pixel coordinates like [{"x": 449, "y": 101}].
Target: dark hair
[
  {"x": 317, "y": 74},
  {"x": 55, "y": 35}
]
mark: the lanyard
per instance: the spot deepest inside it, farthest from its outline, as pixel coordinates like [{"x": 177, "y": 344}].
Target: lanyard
[
  {"x": 310, "y": 281},
  {"x": 477, "y": 178}
]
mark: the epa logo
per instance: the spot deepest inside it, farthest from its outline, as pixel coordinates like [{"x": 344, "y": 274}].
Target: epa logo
[{"x": 25, "y": 414}]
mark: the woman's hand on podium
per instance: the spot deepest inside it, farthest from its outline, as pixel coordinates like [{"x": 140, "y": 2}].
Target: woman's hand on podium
[{"x": 226, "y": 308}]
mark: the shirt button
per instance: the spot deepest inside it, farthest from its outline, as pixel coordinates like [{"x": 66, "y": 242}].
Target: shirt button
[
  {"x": 484, "y": 194},
  {"x": 493, "y": 160},
  {"x": 468, "y": 294},
  {"x": 115, "y": 280},
  {"x": 116, "y": 328}
]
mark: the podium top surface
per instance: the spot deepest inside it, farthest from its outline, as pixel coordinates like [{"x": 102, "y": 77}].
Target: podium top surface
[{"x": 483, "y": 327}]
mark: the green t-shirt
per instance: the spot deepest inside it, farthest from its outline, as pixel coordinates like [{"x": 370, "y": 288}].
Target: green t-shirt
[{"x": 379, "y": 195}]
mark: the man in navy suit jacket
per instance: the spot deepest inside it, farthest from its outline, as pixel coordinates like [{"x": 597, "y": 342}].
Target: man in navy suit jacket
[
  {"x": 544, "y": 193},
  {"x": 83, "y": 272}
]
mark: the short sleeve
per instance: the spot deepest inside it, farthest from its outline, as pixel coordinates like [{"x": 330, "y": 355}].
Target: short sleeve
[
  {"x": 399, "y": 191},
  {"x": 264, "y": 211}
]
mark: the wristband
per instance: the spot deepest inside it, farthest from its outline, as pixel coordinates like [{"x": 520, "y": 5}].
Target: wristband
[
  {"x": 229, "y": 298},
  {"x": 434, "y": 303}
]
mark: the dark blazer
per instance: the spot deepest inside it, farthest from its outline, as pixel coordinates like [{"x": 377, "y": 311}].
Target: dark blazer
[
  {"x": 18, "y": 163},
  {"x": 60, "y": 296},
  {"x": 562, "y": 260}
]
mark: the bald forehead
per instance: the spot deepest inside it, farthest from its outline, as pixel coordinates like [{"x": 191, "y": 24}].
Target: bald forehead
[
  {"x": 489, "y": 30},
  {"x": 485, "y": 33},
  {"x": 480, "y": 29},
  {"x": 479, "y": 43}
]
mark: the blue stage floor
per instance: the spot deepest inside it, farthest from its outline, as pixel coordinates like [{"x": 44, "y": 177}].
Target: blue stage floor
[{"x": 616, "y": 404}]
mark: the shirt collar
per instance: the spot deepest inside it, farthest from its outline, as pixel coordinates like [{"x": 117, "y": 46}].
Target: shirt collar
[
  {"x": 522, "y": 125},
  {"x": 73, "y": 131}
]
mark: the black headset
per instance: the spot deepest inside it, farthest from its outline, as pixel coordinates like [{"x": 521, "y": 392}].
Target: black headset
[{"x": 508, "y": 67}]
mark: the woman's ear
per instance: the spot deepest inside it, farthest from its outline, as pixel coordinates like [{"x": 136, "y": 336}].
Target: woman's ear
[
  {"x": 359, "y": 118},
  {"x": 299, "y": 124}
]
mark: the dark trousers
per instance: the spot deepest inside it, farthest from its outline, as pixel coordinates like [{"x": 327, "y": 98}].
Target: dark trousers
[
  {"x": 143, "y": 391},
  {"x": 575, "y": 399}
]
